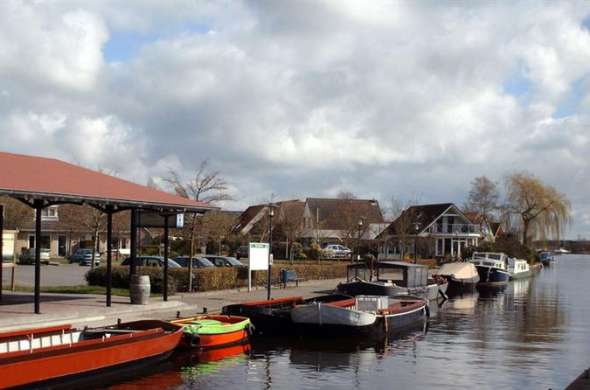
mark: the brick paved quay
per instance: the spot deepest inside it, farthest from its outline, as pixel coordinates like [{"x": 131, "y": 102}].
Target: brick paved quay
[{"x": 16, "y": 309}]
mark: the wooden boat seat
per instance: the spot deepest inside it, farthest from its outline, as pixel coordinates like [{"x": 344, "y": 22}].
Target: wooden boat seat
[{"x": 41, "y": 341}]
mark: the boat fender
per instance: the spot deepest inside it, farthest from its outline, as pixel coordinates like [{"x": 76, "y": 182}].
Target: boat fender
[
  {"x": 194, "y": 340},
  {"x": 427, "y": 310},
  {"x": 250, "y": 329}
]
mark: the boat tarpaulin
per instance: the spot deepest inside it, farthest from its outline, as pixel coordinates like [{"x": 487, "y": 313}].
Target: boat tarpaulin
[{"x": 458, "y": 270}]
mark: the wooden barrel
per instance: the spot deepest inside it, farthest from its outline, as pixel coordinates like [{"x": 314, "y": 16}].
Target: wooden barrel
[{"x": 139, "y": 290}]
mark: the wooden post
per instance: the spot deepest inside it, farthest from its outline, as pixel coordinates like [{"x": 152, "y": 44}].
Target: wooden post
[
  {"x": 165, "y": 290},
  {"x": 109, "y": 254},
  {"x": 133, "y": 248},
  {"x": 38, "y": 207}
]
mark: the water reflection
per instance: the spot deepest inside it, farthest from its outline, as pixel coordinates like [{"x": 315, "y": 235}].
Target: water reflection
[{"x": 531, "y": 334}]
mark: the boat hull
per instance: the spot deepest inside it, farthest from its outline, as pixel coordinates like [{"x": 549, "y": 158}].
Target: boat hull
[
  {"x": 69, "y": 360},
  {"x": 492, "y": 277},
  {"x": 521, "y": 275},
  {"x": 225, "y": 331},
  {"x": 273, "y": 317},
  {"x": 462, "y": 286}
]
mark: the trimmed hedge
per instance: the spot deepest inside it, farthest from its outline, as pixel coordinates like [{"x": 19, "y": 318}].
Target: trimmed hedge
[{"x": 207, "y": 279}]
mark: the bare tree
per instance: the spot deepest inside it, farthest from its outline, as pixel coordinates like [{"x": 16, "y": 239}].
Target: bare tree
[
  {"x": 206, "y": 186},
  {"x": 404, "y": 219},
  {"x": 483, "y": 200},
  {"x": 541, "y": 209},
  {"x": 88, "y": 218}
]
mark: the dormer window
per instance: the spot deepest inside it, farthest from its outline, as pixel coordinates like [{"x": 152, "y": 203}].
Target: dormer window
[{"x": 49, "y": 213}]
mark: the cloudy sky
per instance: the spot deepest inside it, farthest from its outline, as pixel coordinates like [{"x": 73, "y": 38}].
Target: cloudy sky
[{"x": 305, "y": 98}]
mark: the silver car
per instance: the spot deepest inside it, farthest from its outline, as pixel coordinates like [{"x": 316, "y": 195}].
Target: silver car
[{"x": 336, "y": 251}]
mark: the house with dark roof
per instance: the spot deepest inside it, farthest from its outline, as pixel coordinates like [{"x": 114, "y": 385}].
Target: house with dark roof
[
  {"x": 315, "y": 220},
  {"x": 431, "y": 230},
  {"x": 490, "y": 230},
  {"x": 335, "y": 219}
]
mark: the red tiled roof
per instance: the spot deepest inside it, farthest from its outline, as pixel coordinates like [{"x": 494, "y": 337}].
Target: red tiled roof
[{"x": 47, "y": 177}]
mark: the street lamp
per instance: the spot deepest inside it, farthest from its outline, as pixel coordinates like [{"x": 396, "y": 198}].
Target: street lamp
[
  {"x": 416, "y": 230},
  {"x": 271, "y": 214},
  {"x": 358, "y": 245}
]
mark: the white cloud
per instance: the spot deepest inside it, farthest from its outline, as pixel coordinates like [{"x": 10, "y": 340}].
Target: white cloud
[{"x": 303, "y": 98}]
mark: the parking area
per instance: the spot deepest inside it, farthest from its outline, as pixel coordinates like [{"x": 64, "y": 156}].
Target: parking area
[{"x": 51, "y": 275}]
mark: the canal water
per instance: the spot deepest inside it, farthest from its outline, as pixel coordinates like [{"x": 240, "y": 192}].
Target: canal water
[{"x": 533, "y": 335}]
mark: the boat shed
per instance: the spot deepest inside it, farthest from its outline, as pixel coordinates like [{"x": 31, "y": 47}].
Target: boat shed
[
  {"x": 414, "y": 275},
  {"x": 41, "y": 182}
]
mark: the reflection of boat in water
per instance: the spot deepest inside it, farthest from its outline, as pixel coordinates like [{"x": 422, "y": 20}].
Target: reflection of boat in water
[
  {"x": 329, "y": 354},
  {"x": 208, "y": 362},
  {"x": 491, "y": 291},
  {"x": 520, "y": 287},
  {"x": 464, "y": 303}
]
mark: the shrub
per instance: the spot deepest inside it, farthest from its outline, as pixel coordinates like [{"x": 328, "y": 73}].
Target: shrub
[
  {"x": 314, "y": 252},
  {"x": 222, "y": 278},
  {"x": 120, "y": 278}
]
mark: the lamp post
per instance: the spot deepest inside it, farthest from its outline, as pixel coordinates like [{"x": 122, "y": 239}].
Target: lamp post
[
  {"x": 416, "y": 230},
  {"x": 271, "y": 214},
  {"x": 358, "y": 244}
]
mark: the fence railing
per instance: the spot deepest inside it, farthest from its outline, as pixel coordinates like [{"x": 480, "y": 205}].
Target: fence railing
[{"x": 455, "y": 228}]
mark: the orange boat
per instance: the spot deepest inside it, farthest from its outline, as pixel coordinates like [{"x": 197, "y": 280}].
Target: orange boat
[
  {"x": 39, "y": 355},
  {"x": 214, "y": 331}
]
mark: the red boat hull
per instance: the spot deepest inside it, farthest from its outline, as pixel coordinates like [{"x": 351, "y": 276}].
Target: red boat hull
[
  {"x": 44, "y": 364},
  {"x": 215, "y": 340}
]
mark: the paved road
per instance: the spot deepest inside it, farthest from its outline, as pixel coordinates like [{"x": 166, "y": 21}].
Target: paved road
[{"x": 62, "y": 275}]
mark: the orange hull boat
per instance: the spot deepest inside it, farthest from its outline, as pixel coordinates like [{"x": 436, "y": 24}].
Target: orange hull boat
[
  {"x": 214, "y": 331},
  {"x": 39, "y": 355}
]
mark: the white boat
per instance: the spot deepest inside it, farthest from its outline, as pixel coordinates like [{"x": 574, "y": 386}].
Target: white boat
[
  {"x": 492, "y": 268},
  {"x": 561, "y": 251},
  {"x": 518, "y": 268},
  {"x": 461, "y": 276},
  {"x": 332, "y": 314}
]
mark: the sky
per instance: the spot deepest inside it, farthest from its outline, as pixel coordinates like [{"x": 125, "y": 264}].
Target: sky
[{"x": 408, "y": 100}]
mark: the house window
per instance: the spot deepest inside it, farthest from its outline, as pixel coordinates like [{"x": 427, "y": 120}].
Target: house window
[
  {"x": 45, "y": 242},
  {"x": 48, "y": 214}
]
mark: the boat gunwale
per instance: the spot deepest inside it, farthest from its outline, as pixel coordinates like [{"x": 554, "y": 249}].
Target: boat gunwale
[{"x": 81, "y": 346}]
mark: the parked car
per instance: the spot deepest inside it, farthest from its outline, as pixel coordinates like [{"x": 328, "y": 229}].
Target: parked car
[
  {"x": 243, "y": 252},
  {"x": 198, "y": 262},
  {"x": 336, "y": 251},
  {"x": 224, "y": 261},
  {"x": 84, "y": 257},
  {"x": 151, "y": 261},
  {"x": 27, "y": 256}
]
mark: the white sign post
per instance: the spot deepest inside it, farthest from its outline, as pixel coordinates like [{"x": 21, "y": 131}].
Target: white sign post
[{"x": 257, "y": 259}]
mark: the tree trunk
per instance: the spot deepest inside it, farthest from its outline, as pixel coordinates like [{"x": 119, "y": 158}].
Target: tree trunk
[
  {"x": 525, "y": 231},
  {"x": 94, "y": 240}
]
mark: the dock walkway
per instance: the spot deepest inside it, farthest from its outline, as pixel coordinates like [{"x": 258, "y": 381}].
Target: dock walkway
[{"x": 16, "y": 309}]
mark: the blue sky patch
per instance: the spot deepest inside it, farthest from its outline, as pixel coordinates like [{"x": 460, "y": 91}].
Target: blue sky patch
[
  {"x": 569, "y": 104},
  {"x": 124, "y": 45}
]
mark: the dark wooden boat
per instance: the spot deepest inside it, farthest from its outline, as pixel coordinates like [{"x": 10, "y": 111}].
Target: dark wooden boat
[
  {"x": 392, "y": 278},
  {"x": 366, "y": 315},
  {"x": 34, "y": 356},
  {"x": 274, "y": 316},
  {"x": 214, "y": 331}
]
